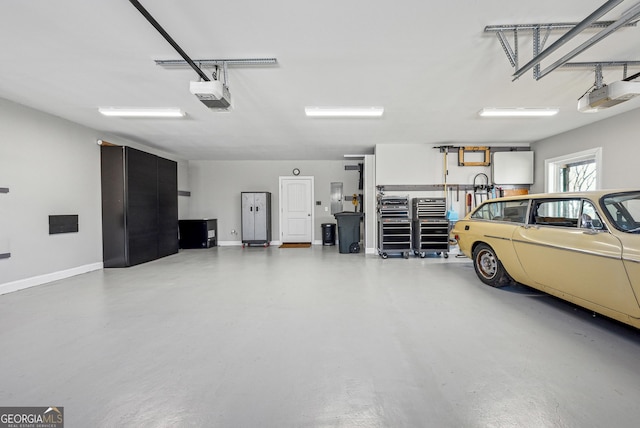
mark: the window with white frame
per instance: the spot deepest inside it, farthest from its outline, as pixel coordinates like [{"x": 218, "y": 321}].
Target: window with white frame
[{"x": 574, "y": 172}]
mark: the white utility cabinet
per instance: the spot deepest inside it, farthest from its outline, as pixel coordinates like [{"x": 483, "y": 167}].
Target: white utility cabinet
[{"x": 512, "y": 167}]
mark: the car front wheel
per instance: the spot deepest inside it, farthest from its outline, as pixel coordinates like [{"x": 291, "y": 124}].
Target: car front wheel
[{"x": 488, "y": 267}]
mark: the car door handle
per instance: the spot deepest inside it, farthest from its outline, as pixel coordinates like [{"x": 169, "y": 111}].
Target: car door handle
[{"x": 531, "y": 226}]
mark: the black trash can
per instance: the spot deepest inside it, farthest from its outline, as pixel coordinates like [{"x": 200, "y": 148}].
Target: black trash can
[
  {"x": 328, "y": 234},
  {"x": 348, "y": 231}
]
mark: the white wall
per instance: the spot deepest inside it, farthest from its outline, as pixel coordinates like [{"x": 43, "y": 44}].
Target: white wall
[
  {"x": 51, "y": 166},
  {"x": 216, "y": 187},
  {"x": 422, "y": 164},
  {"x": 618, "y": 136},
  {"x": 419, "y": 164},
  {"x": 370, "y": 221}
]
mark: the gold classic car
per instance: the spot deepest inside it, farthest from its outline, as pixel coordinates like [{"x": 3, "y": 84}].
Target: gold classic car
[{"x": 581, "y": 247}]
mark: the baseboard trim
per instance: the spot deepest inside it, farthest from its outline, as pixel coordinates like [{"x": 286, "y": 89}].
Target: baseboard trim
[
  {"x": 21, "y": 284},
  {"x": 239, "y": 243},
  {"x": 229, "y": 243}
]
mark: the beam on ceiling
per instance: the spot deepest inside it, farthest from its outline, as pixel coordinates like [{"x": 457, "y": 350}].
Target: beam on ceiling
[
  {"x": 628, "y": 16},
  {"x": 604, "y": 64},
  {"x": 219, "y": 61},
  {"x": 512, "y": 53},
  {"x": 593, "y": 17},
  {"x": 550, "y": 26}
]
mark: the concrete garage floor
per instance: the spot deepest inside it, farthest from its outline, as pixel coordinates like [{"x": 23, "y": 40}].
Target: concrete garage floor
[{"x": 255, "y": 337}]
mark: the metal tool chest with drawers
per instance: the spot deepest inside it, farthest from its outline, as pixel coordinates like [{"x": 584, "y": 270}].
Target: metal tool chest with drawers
[
  {"x": 394, "y": 226},
  {"x": 430, "y": 226}
]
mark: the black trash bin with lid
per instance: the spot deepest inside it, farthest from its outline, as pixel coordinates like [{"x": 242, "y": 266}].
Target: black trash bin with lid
[
  {"x": 328, "y": 234},
  {"x": 348, "y": 231}
]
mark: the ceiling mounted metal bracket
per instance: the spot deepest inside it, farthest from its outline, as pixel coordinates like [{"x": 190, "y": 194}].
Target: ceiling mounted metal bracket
[
  {"x": 512, "y": 53},
  {"x": 511, "y": 49},
  {"x": 216, "y": 73},
  {"x": 599, "y": 82},
  {"x": 628, "y": 19},
  {"x": 581, "y": 26},
  {"x": 536, "y": 51},
  {"x": 217, "y": 63},
  {"x": 511, "y": 56},
  {"x": 598, "y": 66},
  {"x": 555, "y": 26},
  {"x": 232, "y": 62},
  {"x": 625, "y": 65},
  {"x": 628, "y": 16}
]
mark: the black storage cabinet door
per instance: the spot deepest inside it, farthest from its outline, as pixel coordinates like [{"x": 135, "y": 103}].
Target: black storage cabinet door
[
  {"x": 139, "y": 206},
  {"x": 167, "y": 207},
  {"x": 114, "y": 235}
]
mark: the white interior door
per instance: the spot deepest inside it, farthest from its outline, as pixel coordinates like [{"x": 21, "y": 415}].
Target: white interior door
[{"x": 296, "y": 209}]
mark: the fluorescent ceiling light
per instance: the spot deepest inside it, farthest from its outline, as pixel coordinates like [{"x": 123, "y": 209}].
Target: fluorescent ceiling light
[
  {"x": 344, "y": 111},
  {"x": 141, "y": 112},
  {"x": 518, "y": 112}
]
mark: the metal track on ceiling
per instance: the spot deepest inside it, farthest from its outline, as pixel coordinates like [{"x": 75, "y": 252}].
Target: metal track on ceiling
[
  {"x": 169, "y": 39},
  {"x": 217, "y": 62}
]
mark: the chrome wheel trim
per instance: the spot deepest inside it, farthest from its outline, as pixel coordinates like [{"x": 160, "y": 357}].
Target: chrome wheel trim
[{"x": 487, "y": 264}]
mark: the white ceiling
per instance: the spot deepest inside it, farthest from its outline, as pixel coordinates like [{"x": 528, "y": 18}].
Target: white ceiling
[{"x": 429, "y": 64}]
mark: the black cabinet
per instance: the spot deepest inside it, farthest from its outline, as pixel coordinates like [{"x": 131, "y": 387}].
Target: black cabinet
[
  {"x": 139, "y": 206},
  {"x": 167, "y": 207},
  {"x": 198, "y": 233}
]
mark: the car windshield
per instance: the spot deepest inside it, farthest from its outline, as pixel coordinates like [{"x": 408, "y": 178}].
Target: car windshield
[{"x": 623, "y": 210}]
